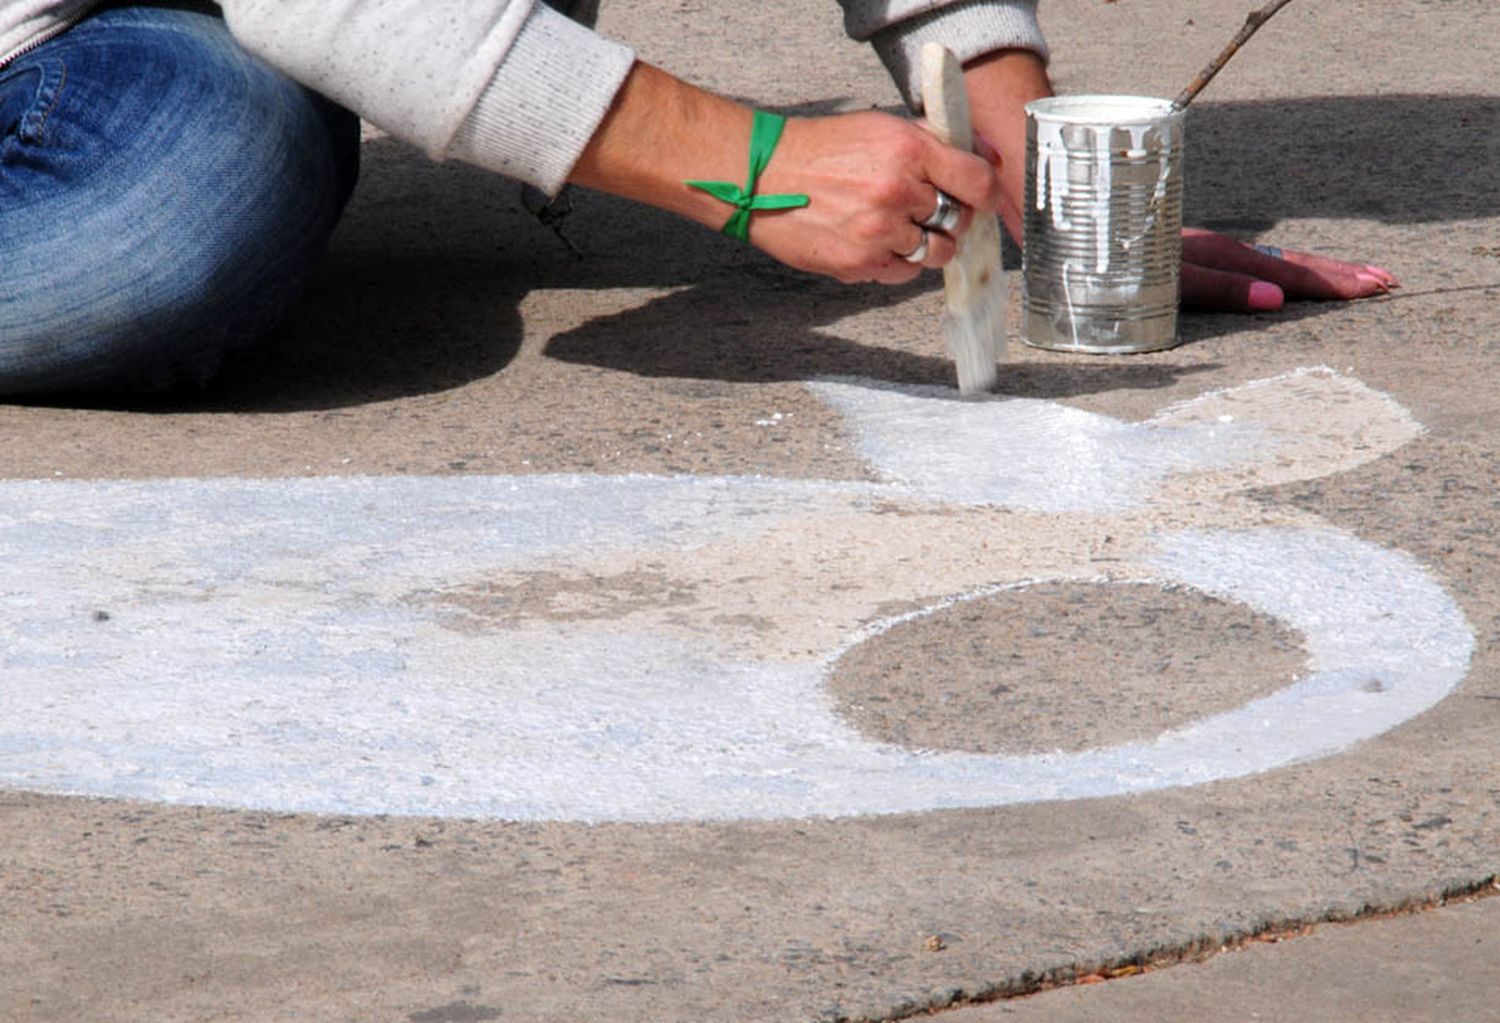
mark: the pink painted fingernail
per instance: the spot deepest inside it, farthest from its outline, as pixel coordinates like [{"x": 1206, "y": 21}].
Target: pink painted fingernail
[
  {"x": 1379, "y": 282},
  {"x": 1264, "y": 295}
]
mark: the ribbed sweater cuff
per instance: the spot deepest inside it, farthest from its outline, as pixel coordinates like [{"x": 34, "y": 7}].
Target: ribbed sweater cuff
[
  {"x": 968, "y": 29},
  {"x": 545, "y": 102}
]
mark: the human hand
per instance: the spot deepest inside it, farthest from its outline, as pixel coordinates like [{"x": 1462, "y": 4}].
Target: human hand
[
  {"x": 872, "y": 178},
  {"x": 1224, "y": 275},
  {"x": 1218, "y": 272}
]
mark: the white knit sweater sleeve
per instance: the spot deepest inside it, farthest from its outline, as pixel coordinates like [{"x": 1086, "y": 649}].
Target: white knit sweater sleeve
[
  {"x": 544, "y": 102},
  {"x": 898, "y": 28},
  {"x": 511, "y": 85},
  {"x": 516, "y": 87}
]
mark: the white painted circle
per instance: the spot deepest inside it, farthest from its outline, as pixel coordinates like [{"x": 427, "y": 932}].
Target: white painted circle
[
  {"x": 292, "y": 644},
  {"x": 263, "y": 650}
]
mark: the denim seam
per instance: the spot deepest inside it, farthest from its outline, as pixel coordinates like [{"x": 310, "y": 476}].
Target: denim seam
[
  {"x": 31, "y": 126},
  {"x": 53, "y": 100}
]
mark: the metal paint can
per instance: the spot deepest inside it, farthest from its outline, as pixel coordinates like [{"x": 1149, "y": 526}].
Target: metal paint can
[{"x": 1103, "y": 250}]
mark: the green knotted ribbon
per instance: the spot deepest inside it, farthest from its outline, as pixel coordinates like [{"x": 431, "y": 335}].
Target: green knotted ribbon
[{"x": 765, "y": 133}]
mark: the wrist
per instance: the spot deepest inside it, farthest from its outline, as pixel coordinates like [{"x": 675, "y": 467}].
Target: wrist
[
  {"x": 765, "y": 133},
  {"x": 661, "y": 132}
]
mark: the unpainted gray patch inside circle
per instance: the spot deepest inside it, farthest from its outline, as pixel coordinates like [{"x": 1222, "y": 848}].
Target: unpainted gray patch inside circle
[{"x": 1067, "y": 666}]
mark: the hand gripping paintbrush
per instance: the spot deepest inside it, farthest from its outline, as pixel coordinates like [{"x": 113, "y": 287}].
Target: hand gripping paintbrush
[{"x": 973, "y": 286}]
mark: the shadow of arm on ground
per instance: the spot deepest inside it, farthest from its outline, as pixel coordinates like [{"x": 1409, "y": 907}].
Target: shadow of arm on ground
[{"x": 769, "y": 326}]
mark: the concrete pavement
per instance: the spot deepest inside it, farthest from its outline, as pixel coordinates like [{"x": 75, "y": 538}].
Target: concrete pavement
[{"x": 166, "y": 859}]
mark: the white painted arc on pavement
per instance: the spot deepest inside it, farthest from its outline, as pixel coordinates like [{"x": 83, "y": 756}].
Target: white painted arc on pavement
[{"x": 313, "y": 644}]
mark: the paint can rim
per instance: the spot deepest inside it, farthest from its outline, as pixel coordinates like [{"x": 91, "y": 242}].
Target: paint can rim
[{"x": 1103, "y": 109}]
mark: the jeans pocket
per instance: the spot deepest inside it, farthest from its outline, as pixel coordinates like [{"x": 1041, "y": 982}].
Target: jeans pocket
[{"x": 28, "y": 95}]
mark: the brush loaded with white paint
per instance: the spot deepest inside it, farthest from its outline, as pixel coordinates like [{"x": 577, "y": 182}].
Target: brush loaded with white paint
[{"x": 973, "y": 286}]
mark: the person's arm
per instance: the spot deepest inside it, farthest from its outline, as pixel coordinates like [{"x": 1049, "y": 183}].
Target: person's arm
[
  {"x": 518, "y": 88},
  {"x": 512, "y": 86},
  {"x": 869, "y": 176}
]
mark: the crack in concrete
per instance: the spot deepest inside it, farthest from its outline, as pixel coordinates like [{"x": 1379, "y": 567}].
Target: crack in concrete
[{"x": 1198, "y": 950}]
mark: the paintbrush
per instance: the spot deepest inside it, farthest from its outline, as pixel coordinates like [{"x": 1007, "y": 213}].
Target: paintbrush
[{"x": 973, "y": 286}]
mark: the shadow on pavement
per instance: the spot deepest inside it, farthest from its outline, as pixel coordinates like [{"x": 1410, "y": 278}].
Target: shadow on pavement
[
  {"x": 421, "y": 290},
  {"x": 764, "y": 326},
  {"x": 1401, "y": 159}
]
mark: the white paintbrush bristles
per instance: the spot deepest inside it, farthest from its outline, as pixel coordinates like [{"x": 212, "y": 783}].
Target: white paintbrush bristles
[{"x": 974, "y": 288}]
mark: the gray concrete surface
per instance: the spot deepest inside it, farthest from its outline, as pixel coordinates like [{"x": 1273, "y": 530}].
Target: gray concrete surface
[{"x": 451, "y": 335}]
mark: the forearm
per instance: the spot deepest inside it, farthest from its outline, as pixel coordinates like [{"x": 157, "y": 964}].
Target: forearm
[{"x": 1000, "y": 86}]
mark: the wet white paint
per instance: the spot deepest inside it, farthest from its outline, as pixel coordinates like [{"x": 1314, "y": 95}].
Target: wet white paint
[
  {"x": 1031, "y": 454},
  {"x": 291, "y": 644}
]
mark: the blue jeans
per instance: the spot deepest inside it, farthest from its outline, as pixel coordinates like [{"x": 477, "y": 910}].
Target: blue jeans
[{"x": 164, "y": 197}]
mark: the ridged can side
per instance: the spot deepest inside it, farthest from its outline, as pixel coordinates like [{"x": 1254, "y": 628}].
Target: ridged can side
[{"x": 1103, "y": 246}]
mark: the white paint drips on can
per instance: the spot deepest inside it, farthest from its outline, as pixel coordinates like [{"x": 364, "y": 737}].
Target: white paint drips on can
[{"x": 1103, "y": 222}]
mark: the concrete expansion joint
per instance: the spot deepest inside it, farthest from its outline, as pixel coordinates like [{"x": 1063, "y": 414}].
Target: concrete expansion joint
[{"x": 1198, "y": 950}]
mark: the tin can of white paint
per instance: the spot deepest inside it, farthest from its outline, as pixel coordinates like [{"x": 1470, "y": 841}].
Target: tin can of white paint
[{"x": 1103, "y": 224}]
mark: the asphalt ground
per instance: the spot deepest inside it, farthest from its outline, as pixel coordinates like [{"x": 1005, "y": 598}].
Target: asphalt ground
[{"x": 453, "y": 344}]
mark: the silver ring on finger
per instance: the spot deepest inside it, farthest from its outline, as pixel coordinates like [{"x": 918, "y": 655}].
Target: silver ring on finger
[
  {"x": 918, "y": 254},
  {"x": 944, "y": 216}
]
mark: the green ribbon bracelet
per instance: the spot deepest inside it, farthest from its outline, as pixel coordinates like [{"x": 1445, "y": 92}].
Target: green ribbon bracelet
[{"x": 765, "y": 133}]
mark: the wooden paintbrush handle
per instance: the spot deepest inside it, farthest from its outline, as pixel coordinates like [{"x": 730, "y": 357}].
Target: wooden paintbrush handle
[
  {"x": 973, "y": 286},
  {"x": 946, "y": 97}
]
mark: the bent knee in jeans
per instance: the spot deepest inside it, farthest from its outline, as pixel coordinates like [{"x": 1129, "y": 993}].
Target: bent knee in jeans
[{"x": 164, "y": 197}]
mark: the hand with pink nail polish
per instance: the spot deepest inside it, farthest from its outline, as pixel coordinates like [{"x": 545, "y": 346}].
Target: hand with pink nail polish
[
  {"x": 1222, "y": 274},
  {"x": 1218, "y": 272}
]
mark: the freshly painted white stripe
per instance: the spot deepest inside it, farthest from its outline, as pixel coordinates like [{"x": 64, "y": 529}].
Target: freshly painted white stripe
[
  {"x": 643, "y": 648},
  {"x": 1027, "y": 453}
]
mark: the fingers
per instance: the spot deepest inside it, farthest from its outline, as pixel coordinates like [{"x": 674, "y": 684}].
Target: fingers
[
  {"x": 1299, "y": 275},
  {"x": 1368, "y": 279},
  {"x": 930, "y": 248},
  {"x": 1227, "y": 292},
  {"x": 873, "y": 179},
  {"x": 946, "y": 214},
  {"x": 968, "y": 177}
]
